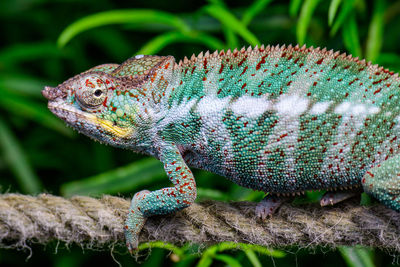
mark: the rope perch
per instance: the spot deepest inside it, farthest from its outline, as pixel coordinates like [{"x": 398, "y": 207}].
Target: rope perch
[{"x": 94, "y": 222}]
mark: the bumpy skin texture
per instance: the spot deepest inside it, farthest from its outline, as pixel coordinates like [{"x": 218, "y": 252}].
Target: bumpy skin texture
[{"x": 278, "y": 119}]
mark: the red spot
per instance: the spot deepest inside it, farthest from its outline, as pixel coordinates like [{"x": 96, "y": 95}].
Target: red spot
[
  {"x": 105, "y": 102},
  {"x": 283, "y": 135},
  {"x": 221, "y": 68},
  {"x": 262, "y": 61},
  {"x": 178, "y": 168},
  {"x": 371, "y": 174},
  {"x": 204, "y": 78},
  {"x": 319, "y": 61},
  {"x": 244, "y": 85},
  {"x": 377, "y": 91},
  {"x": 89, "y": 84},
  {"x": 166, "y": 66},
  {"x": 244, "y": 70}
]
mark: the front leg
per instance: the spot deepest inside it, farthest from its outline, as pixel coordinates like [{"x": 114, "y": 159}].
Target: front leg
[{"x": 163, "y": 201}]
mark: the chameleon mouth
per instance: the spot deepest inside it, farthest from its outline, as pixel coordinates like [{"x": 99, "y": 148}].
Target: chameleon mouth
[{"x": 77, "y": 119}]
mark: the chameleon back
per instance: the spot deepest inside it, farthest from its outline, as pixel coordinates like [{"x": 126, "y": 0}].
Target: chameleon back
[{"x": 283, "y": 119}]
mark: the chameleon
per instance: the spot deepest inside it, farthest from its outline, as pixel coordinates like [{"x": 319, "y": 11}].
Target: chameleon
[{"x": 279, "y": 119}]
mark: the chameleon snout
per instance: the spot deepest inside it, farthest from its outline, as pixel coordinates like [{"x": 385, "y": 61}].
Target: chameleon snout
[{"x": 51, "y": 93}]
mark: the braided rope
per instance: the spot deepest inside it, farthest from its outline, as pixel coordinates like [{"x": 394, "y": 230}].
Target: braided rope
[{"x": 94, "y": 222}]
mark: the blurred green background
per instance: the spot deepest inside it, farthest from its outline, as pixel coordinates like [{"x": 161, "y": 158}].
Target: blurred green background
[{"x": 44, "y": 42}]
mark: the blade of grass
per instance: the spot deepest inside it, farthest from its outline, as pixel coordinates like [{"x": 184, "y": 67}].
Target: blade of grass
[
  {"x": 120, "y": 17},
  {"x": 232, "y": 41},
  {"x": 345, "y": 11},
  {"x": 333, "y": 7},
  {"x": 121, "y": 179},
  {"x": 164, "y": 245},
  {"x": 229, "y": 260},
  {"x": 32, "y": 110},
  {"x": 159, "y": 42},
  {"x": 351, "y": 36},
  {"x": 256, "y": 7},
  {"x": 252, "y": 258},
  {"x": 306, "y": 13},
  {"x": 357, "y": 256},
  {"x": 231, "y": 22},
  {"x": 17, "y": 161},
  {"x": 294, "y": 7},
  {"x": 375, "y": 31}
]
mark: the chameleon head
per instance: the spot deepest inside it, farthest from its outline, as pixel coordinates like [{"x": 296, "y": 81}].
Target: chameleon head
[
  {"x": 90, "y": 102},
  {"x": 115, "y": 104}
]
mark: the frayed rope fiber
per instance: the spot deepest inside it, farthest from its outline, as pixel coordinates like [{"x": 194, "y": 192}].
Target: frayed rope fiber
[{"x": 94, "y": 222}]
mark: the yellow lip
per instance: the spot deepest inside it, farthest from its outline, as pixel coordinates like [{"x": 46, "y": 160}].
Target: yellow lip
[{"x": 121, "y": 132}]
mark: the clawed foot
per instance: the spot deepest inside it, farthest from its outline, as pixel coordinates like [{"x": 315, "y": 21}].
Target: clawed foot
[
  {"x": 268, "y": 206},
  {"x": 331, "y": 198},
  {"x": 134, "y": 222}
]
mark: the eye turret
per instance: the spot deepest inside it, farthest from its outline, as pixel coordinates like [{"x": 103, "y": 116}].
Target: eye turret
[{"x": 91, "y": 93}]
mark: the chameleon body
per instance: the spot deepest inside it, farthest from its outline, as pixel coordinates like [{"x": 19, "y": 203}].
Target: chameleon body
[{"x": 277, "y": 119}]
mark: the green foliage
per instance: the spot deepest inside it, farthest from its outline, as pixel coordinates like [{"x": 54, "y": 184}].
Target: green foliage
[
  {"x": 357, "y": 256},
  {"x": 45, "y": 42}
]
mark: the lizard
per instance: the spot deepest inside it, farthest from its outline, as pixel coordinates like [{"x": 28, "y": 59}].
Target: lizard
[{"x": 280, "y": 119}]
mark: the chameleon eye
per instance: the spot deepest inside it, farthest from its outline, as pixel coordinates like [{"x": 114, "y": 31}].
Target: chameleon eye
[{"x": 91, "y": 93}]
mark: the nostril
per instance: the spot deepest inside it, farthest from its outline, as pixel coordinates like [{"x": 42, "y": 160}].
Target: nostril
[{"x": 51, "y": 93}]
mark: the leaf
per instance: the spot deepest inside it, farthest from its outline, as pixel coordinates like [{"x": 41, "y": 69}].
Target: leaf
[
  {"x": 158, "y": 43},
  {"x": 207, "y": 193},
  {"x": 164, "y": 245},
  {"x": 231, "y": 22},
  {"x": 122, "y": 179},
  {"x": 306, "y": 13},
  {"x": 294, "y": 7},
  {"x": 351, "y": 36},
  {"x": 346, "y": 10},
  {"x": 232, "y": 41},
  {"x": 252, "y": 258},
  {"x": 256, "y": 7},
  {"x": 17, "y": 160},
  {"x": 375, "y": 31},
  {"x": 120, "y": 17},
  {"x": 229, "y": 260},
  {"x": 357, "y": 256},
  {"x": 333, "y": 7}
]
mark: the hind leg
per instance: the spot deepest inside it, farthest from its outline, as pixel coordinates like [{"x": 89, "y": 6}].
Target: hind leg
[
  {"x": 269, "y": 205},
  {"x": 383, "y": 182}
]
